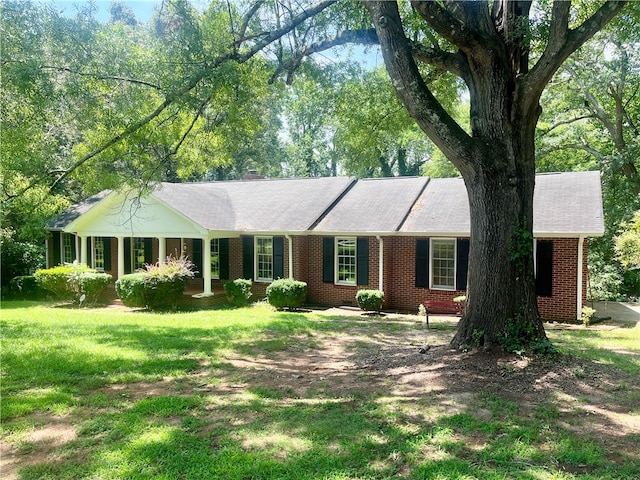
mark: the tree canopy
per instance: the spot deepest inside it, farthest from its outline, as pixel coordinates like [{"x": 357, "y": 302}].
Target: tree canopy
[{"x": 215, "y": 91}]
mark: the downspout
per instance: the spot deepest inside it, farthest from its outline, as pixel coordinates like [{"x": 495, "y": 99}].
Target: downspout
[
  {"x": 290, "y": 245},
  {"x": 580, "y": 272},
  {"x": 380, "y": 263}
]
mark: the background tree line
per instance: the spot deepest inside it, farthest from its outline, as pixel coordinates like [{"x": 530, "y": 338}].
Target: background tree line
[{"x": 89, "y": 105}]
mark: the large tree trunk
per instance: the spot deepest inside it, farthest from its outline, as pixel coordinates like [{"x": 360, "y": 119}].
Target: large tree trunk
[
  {"x": 501, "y": 301},
  {"x": 496, "y": 159}
]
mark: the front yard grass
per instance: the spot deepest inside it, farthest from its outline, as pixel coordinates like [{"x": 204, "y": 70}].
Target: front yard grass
[{"x": 252, "y": 393}]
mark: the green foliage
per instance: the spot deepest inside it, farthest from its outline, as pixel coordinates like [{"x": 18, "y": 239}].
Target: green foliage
[
  {"x": 286, "y": 293},
  {"x": 520, "y": 337},
  {"x": 238, "y": 291},
  {"x": 25, "y": 287},
  {"x": 18, "y": 258},
  {"x": 88, "y": 283},
  {"x": 71, "y": 282},
  {"x": 586, "y": 315},
  {"x": 164, "y": 283},
  {"x": 56, "y": 281},
  {"x": 370, "y": 300},
  {"x": 130, "y": 289},
  {"x": 627, "y": 243}
]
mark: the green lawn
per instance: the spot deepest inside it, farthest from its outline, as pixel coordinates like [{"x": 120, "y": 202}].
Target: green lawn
[{"x": 218, "y": 394}]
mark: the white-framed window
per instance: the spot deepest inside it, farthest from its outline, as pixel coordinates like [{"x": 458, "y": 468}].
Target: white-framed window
[
  {"x": 137, "y": 256},
  {"x": 215, "y": 258},
  {"x": 346, "y": 260},
  {"x": 264, "y": 259},
  {"x": 98, "y": 253},
  {"x": 443, "y": 263},
  {"x": 68, "y": 249}
]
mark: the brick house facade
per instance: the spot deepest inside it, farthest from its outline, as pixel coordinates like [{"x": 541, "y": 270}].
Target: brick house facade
[{"x": 405, "y": 236}]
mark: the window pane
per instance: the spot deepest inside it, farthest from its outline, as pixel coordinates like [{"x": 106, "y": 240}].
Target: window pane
[
  {"x": 98, "y": 253},
  {"x": 346, "y": 261},
  {"x": 138, "y": 253},
  {"x": 67, "y": 248},
  {"x": 264, "y": 258},
  {"x": 443, "y": 264},
  {"x": 215, "y": 258}
]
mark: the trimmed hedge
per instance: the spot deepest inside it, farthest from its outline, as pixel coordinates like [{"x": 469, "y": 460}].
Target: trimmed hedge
[
  {"x": 130, "y": 289},
  {"x": 286, "y": 293},
  {"x": 370, "y": 300},
  {"x": 238, "y": 291},
  {"x": 73, "y": 282}
]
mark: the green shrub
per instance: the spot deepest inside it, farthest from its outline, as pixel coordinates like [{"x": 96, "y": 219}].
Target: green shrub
[
  {"x": 287, "y": 293},
  {"x": 238, "y": 291},
  {"x": 25, "y": 287},
  {"x": 164, "y": 283},
  {"x": 56, "y": 281},
  {"x": 130, "y": 289},
  {"x": 370, "y": 300},
  {"x": 91, "y": 285},
  {"x": 72, "y": 282}
]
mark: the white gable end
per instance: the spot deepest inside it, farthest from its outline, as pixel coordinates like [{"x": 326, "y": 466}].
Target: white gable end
[{"x": 125, "y": 214}]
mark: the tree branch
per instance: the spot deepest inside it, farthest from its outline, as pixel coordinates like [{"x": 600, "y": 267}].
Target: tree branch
[
  {"x": 232, "y": 55},
  {"x": 423, "y": 107},
  {"x": 102, "y": 77},
  {"x": 563, "y": 42},
  {"x": 565, "y": 122},
  {"x": 365, "y": 37},
  {"x": 443, "y": 22},
  {"x": 436, "y": 57}
]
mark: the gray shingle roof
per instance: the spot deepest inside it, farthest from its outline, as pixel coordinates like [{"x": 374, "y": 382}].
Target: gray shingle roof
[
  {"x": 373, "y": 206},
  {"x": 563, "y": 203},
  {"x": 60, "y": 221},
  {"x": 280, "y": 205}
]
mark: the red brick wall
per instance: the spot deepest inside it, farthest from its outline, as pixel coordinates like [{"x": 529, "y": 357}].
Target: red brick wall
[
  {"x": 562, "y": 304},
  {"x": 401, "y": 294}
]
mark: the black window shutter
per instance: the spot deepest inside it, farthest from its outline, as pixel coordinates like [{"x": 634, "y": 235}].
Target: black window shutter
[
  {"x": 197, "y": 257},
  {"x": 278, "y": 257},
  {"x": 107, "y": 253},
  {"x": 544, "y": 270},
  {"x": 148, "y": 251},
  {"x": 74, "y": 255},
  {"x": 127, "y": 255},
  {"x": 422, "y": 262},
  {"x": 362, "y": 262},
  {"x": 88, "y": 244},
  {"x": 247, "y": 257},
  {"x": 328, "y": 249},
  {"x": 223, "y": 258},
  {"x": 462, "y": 263},
  {"x": 56, "y": 248}
]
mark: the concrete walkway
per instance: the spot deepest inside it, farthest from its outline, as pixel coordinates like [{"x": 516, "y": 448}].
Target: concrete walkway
[{"x": 625, "y": 312}]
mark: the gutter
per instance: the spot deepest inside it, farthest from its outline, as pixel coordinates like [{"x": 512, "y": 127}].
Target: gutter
[{"x": 580, "y": 272}]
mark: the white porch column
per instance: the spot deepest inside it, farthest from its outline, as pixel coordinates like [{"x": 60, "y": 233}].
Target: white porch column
[
  {"x": 120, "y": 257},
  {"x": 83, "y": 250},
  {"x": 380, "y": 263},
  {"x": 206, "y": 264},
  {"x": 290, "y": 245},
  {"x": 46, "y": 254},
  {"x": 580, "y": 271},
  {"x": 162, "y": 249}
]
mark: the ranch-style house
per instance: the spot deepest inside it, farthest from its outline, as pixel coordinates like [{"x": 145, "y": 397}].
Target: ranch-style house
[{"x": 407, "y": 236}]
